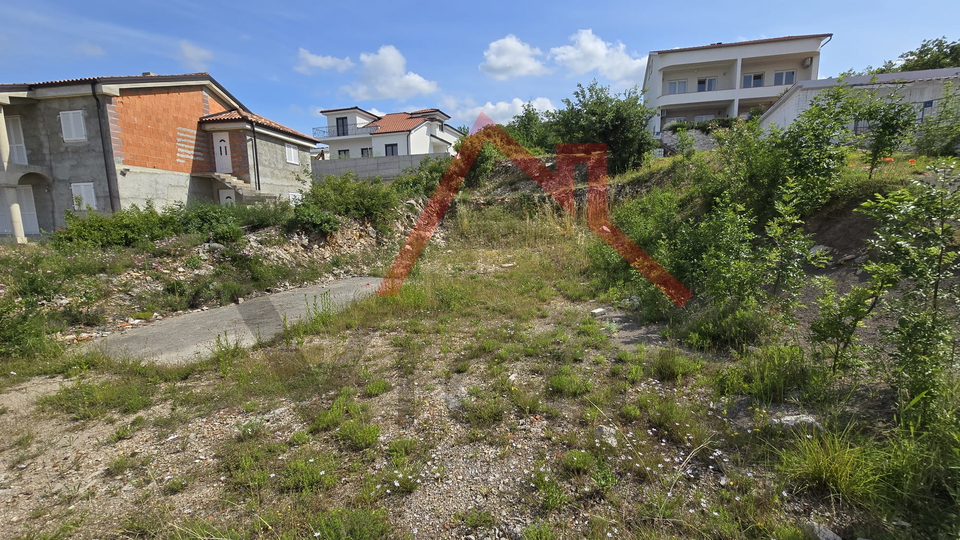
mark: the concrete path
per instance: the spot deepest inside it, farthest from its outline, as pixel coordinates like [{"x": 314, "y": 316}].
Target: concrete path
[{"x": 192, "y": 336}]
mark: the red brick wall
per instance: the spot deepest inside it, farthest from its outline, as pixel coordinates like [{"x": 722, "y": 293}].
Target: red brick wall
[
  {"x": 157, "y": 128},
  {"x": 238, "y": 153}
]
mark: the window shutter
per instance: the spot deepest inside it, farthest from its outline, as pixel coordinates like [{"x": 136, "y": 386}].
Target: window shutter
[
  {"x": 88, "y": 197},
  {"x": 293, "y": 156},
  {"x": 71, "y": 124}
]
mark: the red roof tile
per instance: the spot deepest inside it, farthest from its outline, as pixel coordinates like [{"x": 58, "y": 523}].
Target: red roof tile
[
  {"x": 396, "y": 122},
  {"x": 237, "y": 115},
  {"x": 767, "y": 40}
]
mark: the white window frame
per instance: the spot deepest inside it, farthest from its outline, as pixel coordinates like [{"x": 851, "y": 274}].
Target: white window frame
[
  {"x": 782, "y": 75},
  {"x": 753, "y": 77},
  {"x": 706, "y": 84},
  {"x": 83, "y": 190},
  {"x": 293, "y": 153},
  {"x": 18, "y": 151},
  {"x": 677, "y": 84},
  {"x": 72, "y": 126}
]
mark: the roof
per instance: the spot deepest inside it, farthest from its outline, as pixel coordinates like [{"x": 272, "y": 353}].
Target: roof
[
  {"x": 739, "y": 43},
  {"x": 902, "y": 77},
  {"x": 396, "y": 122},
  {"x": 238, "y": 115},
  {"x": 345, "y": 109},
  {"x": 145, "y": 79}
]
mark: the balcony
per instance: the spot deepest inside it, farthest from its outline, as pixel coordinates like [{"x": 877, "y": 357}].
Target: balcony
[{"x": 342, "y": 130}]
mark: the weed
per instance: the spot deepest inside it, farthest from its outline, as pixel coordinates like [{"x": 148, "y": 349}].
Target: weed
[
  {"x": 474, "y": 518},
  {"x": 377, "y": 387},
  {"x": 831, "y": 462},
  {"x": 670, "y": 365},
  {"x": 566, "y": 383},
  {"x": 309, "y": 473},
  {"x": 483, "y": 412},
  {"x": 175, "y": 485},
  {"x": 351, "y": 524},
  {"x": 578, "y": 462},
  {"x": 539, "y": 531},
  {"x": 87, "y": 401},
  {"x": 125, "y": 462},
  {"x": 358, "y": 436},
  {"x": 299, "y": 438},
  {"x": 127, "y": 431}
]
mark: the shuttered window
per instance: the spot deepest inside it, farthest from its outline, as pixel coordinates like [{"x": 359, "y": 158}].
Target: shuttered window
[
  {"x": 293, "y": 155},
  {"x": 71, "y": 124},
  {"x": 84, "y": 195},
  {"x": 18, "y": 150}
]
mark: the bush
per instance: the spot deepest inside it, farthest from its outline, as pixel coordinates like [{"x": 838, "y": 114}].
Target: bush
[
  {"x": 127, "y": 228},
  {"x": 578, "y": 462},
  {"x": 349, "y": 196},
  {"x": 312, "y": 219},
  {"x": 420, "y": 182},
  {"x": 767, "y": 373}
]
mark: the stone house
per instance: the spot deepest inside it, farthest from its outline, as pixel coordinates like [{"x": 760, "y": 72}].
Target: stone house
[{"x": 106, "y": 143}]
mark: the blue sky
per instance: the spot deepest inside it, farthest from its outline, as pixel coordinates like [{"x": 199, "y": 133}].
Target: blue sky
[{"x": 288, "y": 59}]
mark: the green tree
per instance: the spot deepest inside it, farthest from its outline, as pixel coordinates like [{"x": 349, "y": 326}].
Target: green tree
[
  {"x": 931, "y": 54},
  {"x": 939, "y": 133},
  {"x": 532, "y": 130},
  {"x": 889, "y": 119},
  {"x": 594, "y": 115}
]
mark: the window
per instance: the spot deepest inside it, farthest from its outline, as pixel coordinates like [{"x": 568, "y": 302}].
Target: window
[
  {"x": 84, "y": 195},
  {"x": 390, "y": 149},
  {"x": 783, "y": 77},
  {"x": 343, "y": 154},
  {"x": 293, "y": 154},
  {"x": 676, "y": 87},
  {"x": 668, "y": 121},
  {"x": 296, "y": 198},
  {"x": 18, "y": 150},
  {"x": 753, "y": 80},
  {"x": 71, "y": 125},
  {"x": 707, "y": 84},
  {"x": 366, "y": 152},
  {"x": 702, "y": 117},
  {"x": 342, "y": 128}
]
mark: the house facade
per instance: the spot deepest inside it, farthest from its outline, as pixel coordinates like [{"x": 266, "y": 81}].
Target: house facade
[
  {"x": 923, "y": 89},
  {"x": 355, "y": 133},
  {"x": 726, "y": 79},
  {"x": 106, "y": 143}
]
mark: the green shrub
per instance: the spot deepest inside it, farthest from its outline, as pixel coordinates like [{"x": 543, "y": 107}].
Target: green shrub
[
  {"x": 420, "y": 182},
  {"x": 377, "y": 387},
  {"x": 128, "y": 227},
  {"x": 670, "y": 365},
  {"x": 351, "y": 524},
  {"x": 578, "y": 461},
  {"x": 86, "y": 401},
  {"x": 358, "y": 436},
  {"x": 833, "y": 463},
  {"x": 767, "y": 373},
  {"x": 567, "y": 383},
  {"x": 309, "y": 474},
  {"x": 312, "y": 219},
  {"x": 349, "y": 196}
]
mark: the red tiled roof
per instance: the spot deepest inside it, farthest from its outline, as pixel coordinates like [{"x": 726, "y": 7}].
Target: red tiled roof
[
  {"x": 237, "y": 115},
  {"x": 396, "y": 122},
  {"x": 767, "y": 40},
  {"x": 422, "y": 111}
]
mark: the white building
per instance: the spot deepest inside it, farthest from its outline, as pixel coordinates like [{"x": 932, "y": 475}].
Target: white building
[
  {"x": 921, "y": 88},
  {"x": 355, "y": 133},
  {"x": 727, "y": 79}
]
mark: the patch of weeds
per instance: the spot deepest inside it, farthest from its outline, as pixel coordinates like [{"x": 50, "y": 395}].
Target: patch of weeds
[
  {"x": 482, "y": 412},
  {"x": 309, "y": 473},
  {"x": 125, "y": 462},
  {"x": 603, "y": 477},
  {"x": 475, "y": 518},
  {"x": 831, "y": 462},
  {"x": 767, "y": 373},
  {"x": 527, "y": 401},
  {"x": 250, "y": 463},
  {"x": 670, "y": 365},
  {"x": 551, "y": 492},
  {"x": 357, "y": 435},
  {"x": 175, "y": 485},
  {"x": 299, "y": 438},
  {"x": 4, "y": 410},
  {"x": 540, "y": 530},
  {"x": 673, "y": 421},
  {"x": 567, "y": 383},
  {"x": 629, "y": 412},
  {"x": 251, "y": 431},
  {"x": 127, "y": 431},
  {"x": 400, "y": 450},
  {"x": 578, "y": 462},
  {"x": 87, "y": 401},
  {"x": 377, "y": 387},
  {"x": 351, "y": 524}
]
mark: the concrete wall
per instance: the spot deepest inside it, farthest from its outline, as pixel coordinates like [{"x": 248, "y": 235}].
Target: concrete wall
[
  {"x": 137, "y": 185},
  {"x": 277, "y": 177},
  {"x": 387, "y": 167},
  {"x": 38, "y": 151}
]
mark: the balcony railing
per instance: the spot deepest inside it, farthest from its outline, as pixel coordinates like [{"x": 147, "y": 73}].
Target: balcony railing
[{"x": 343, "y": 130}]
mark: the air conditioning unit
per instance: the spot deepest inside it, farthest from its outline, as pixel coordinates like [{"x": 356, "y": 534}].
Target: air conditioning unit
[{"x": 807, "y": 62}]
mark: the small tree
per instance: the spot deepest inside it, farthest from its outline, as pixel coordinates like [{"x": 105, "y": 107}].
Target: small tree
[
  {"x": 889, "y": 119},
  {"x": 594, "y": 115},
  {"x": 939, "y": 133},
  {"x": 931, "y": 54},
  {"x": 532, "y": 130}
]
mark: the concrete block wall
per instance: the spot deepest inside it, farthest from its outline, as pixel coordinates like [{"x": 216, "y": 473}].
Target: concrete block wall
[
  {"x": 386, "y": 167},
  {"x": 277, "y": 177},
  {"x": 157, "y": 128}
]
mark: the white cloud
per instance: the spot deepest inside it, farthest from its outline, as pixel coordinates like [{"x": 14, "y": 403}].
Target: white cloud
[
  {"x": 509, "y": 57},
  {"x": 500, "y": 112},
  {"x": 90, "y": 49},
  {"x": 375, "y": 111},
  {"x": 384, "y": 75},
  {"x": 308, "y": 61},
  {"x": 194, "y": 57},
  {"x": 589, "y": 53}
]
